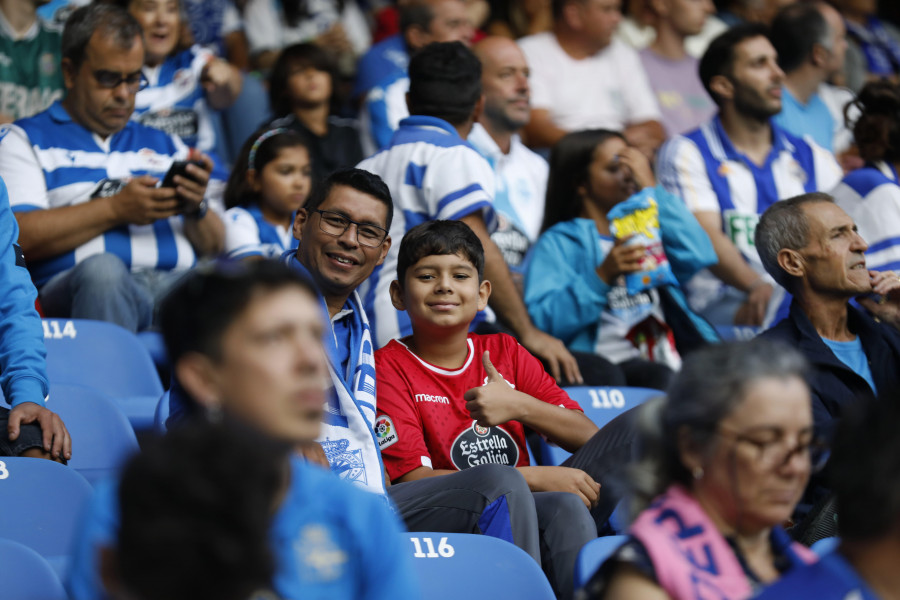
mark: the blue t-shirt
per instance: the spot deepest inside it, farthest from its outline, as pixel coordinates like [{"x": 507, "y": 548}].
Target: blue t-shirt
[
  {"x": 832, "y": 578},
  {"x": 854, "y": 356},
  {"x": 812, "y": 119}
]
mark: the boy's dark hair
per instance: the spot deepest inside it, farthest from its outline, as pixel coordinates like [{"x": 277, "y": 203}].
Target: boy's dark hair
[
  {"x": 444, "y": 82},
  {"x": 196, "y": 513},
  {"x": 795, "y": 32},
  {"x": 114, "y": 21},
  {"x": 877, "y": 127},
  {"x": 359, "y": 180},
  {"x": 292, "y": 57},
  {"x": 439, "y": 238},
  {"x": 719, "y": 56},
  {"x": 238, "y": 191}
]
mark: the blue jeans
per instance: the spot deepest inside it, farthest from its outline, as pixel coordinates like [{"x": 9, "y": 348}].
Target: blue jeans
[{"x": 102, "y": 288}]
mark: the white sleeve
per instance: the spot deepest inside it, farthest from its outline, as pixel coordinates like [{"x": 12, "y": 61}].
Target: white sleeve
[
  {"x": 459, "y": 182},
  {"x": 241, "y": 234},
  {"x": 20, "y": 169},
  {"x": 828, "y": 171},
  {"x": 878, "y": 217},
  {"x": 640, "y": 101},
  {"x": 262, "y": 25},
  {"x": 682, "y": 171},
  {"x": 356, "y": 27},
  {"x": 231, "y": 20}
]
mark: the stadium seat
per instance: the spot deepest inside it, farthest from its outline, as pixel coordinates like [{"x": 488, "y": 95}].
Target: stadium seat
[
  {"x": 25, "y": 575},
  {"x": 105, "y": 357},
  {"x": 162, "y": 413},
  {"x": 825, "y": 545},
  {"x": 601, "y": 405},
  {"x": 592, "y": 556},
  {"x": 730, "y": 333},
  {"x": 458, "y": 565},
  {"x": 102, "y": 437},
  {"x": 41, "y": 503}
]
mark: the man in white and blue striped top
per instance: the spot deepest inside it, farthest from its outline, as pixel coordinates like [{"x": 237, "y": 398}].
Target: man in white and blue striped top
[
  {"x": 734, "y": 167},
  {"x": 433, "y": 173},
  {"x": 101, "y": 237}
]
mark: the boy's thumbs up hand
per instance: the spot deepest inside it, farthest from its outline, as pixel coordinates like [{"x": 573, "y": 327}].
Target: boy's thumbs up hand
[{"x": 496, "y": 401}]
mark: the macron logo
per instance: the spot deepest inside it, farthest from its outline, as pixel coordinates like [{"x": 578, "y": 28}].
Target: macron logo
[{"x": 430, "y": 398}]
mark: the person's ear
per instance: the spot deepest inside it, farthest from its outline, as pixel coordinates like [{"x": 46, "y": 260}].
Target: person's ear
[
  {"x": 791, "y": 262},
  {"x": 484, "y": 294},
  {"x": 479, "y": 109},
  {"x": 397, "y": 295},
  {"x": 385, "y": 246},
  {"x": 688, "y": 452},
  {"x": 819, "y": 55},
  {"x": 417, "y": 37},
  {"x": 660, "y": 8},
  {"x": 253, "y": 180},
  {"x": 571, "y": 15},
  {"x": 200, "y": 379},
  {"x": 69, "y": 73},
  {"x": 722, "y": 87},
  {"x": 299, "y": 221}
]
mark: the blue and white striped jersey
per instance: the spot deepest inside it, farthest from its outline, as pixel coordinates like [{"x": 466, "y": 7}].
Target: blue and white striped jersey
[
  {"x": 247, "y": 233},
  {"x": 704, "y": 168},
  {"x": 50, "y": 161},
  {"x": 432, "y": 174},
  {"x": 871, "y": 196}
]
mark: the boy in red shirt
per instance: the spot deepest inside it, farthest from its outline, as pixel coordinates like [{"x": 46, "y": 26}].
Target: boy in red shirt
[{"x": 449, "y": 400}]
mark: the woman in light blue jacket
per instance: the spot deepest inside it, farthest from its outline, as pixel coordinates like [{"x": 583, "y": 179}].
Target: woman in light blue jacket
[{"x": 574, "y": 287}]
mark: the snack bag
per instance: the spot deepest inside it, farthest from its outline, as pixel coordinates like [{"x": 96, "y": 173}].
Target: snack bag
[{"x": 639, "y": 215}]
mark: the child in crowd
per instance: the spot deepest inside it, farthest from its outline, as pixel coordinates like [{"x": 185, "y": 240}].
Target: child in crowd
[
  {"x": 449, "y": 400},
  {"x": 575, "y": 288},
  {"x": 270, "y": 181}
]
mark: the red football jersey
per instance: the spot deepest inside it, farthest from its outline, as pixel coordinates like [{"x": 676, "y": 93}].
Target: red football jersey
[{"x": 422, "y": 417}]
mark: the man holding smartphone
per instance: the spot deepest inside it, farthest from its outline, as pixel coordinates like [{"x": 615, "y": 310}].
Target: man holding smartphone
[{"x": 102, "y": 237}]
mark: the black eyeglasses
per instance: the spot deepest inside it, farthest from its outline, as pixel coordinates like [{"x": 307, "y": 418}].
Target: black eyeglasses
[
  {"x": 774, "y": 454},
  {"x": 111, "y": 80},
  {"x": 368, "y": 235}
]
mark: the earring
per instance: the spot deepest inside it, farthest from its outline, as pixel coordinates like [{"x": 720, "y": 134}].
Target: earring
[
  {"x": 697, "y": 472},
  {"x": 214, "y": 413}
]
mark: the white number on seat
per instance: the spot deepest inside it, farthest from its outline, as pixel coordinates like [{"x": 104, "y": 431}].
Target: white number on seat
[
  {"x": 444, "y": 549},
  {"x": 52, "y": 330},
  {"x": 3, "y": 472},
  {"x": 607, "y": 399}
]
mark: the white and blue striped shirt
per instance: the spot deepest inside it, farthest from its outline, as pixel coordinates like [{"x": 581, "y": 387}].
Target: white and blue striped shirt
[
  {"x": 871, "y": 196},
  {"x": 247, "y": 233},
  {"x": 704, "y": 168},
  {"x": 50, "y": 161},
  {"x": 432, "y": 174}
]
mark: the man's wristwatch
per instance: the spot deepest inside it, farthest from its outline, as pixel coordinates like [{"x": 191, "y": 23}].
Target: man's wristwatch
[{"x": 199, "y": 212}]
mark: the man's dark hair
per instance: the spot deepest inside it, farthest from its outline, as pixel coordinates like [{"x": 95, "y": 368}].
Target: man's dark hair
[
  {"x": 719, "y": 56},
  {"x": 291, "y": 58},
  {"x": 864, "y": 469},
  {"x": 361, "y": 181},
  {"x": 796, "y": 31},
  {"x": 199, "y": 309},
  {"x": 784, "y": 225},
  {"x": 196, "y": 512},
  {"x": 444, "y": 82},
  {"x": 110, "y": 20},
  {"x": 439, "y": 238},
  {"x": 417, "y": 13},
  {"x": 877, "y": 127}
]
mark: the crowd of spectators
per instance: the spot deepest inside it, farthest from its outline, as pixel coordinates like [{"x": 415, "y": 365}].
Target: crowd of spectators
[{"x": 495, "y": 199}]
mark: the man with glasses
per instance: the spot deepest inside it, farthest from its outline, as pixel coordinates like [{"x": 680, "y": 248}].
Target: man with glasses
[
  {"x": 103, "y": 239},
  {"x": 343, "y": 233}
]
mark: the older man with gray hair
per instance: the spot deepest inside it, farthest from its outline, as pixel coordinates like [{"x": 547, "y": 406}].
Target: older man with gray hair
[{"x": 811, "y": 246}]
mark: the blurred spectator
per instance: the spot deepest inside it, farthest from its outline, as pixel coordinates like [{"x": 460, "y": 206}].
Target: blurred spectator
[
  {"x": 246, "y": 344},
  {"x": 30, "y": 75},
  {"x": 423, "y": 22},
  {"x": 725, "y": 458},
  {"x": 102, "y": 238},
  {"x": 302, "y": 93},
  {"x": 639, "y": 28},
  {"x": 736, "y": 12},
  {"x": 672, "y": 71},
  {"x": 732, "y": 168},
  {"x": 339, "y": 26},
  {"x": 518, "y": 18},
  {"x": 520, "y": 175},
  {"x": 268, "y": 185},
  {"x": 811, "y": 44},
  {"x": 864, "y": 472},
  {"x": 871, "y": 195},
  {"x": 583, "y": 78},
  {"x": 575, "y": 289},
  {"x": 434, "y": 174},
  {"x": 217, "y": 26},
  {"x": 874, "y": 44}
]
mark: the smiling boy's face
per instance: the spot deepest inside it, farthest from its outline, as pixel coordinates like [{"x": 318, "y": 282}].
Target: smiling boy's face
[{"x": 441, "y": 292}]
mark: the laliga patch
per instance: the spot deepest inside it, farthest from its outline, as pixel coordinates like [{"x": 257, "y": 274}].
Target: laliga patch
[
  {"x": 385, "y": 432},
  {"x": 478, "y": 445}
]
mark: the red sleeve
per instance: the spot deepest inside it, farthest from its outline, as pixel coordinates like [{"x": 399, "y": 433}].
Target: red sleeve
[
  {"x": 398, "y": 428},
  {"x": 533, "y": 379}
]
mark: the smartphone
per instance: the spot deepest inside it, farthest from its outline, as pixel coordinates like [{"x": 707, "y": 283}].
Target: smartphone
[{"x": 179, "y": 167}]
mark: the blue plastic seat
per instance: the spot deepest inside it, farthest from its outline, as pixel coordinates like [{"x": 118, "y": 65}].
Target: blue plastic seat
[
  {"x": 825, "y": 545},
  {"x": 102, "y": 437},
  {"x": 41, "y": 504},
  {"x": 161, "y": 414},
  {"x": 593, "y": 554},
  {"x": 25, "y": 575},
  {"x": 107, "y": 358},
  {"x": 601, "y": 405},
  {"x": 460, "y": 565}
]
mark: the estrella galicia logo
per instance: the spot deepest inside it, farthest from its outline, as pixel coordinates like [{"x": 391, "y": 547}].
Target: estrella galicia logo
[
  {"x": 478, "y": 445},
  {"x": 385, "y": 432}
]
